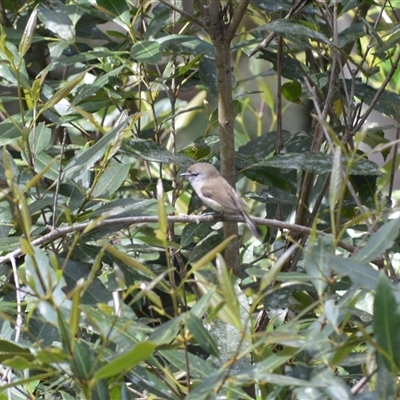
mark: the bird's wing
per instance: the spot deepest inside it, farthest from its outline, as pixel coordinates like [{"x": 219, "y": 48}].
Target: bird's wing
[{"x": 231, "y": 202}]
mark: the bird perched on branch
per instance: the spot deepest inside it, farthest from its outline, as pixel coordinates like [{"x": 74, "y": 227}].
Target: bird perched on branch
[{"x": 216, "y": 192}]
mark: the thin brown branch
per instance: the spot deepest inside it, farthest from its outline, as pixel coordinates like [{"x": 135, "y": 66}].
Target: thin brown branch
[
  {"x": 237, "y": 18},
  {"x": 58, "y": 233}
]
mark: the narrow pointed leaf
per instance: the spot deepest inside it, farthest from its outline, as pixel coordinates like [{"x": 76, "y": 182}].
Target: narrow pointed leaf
[
  {"x": 27, "y": 37},
  {"x": 201, "y": 334},
  {"x": 126, "y": 361},
  {"x": 380, "y": 241},
  {"x": 63, "y": 92},
  {"x": 386, "y": 323}
]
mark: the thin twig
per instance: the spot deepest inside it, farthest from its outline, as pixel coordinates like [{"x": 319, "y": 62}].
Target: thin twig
[
  {"x": 237, "y": 18},
  {"x": 59, "y": 179},
  {"x": 19, "y": 320},
  {"x": 378, "y": 95},
  {"x": 57, "y": 233},
  {"x": 185, "y": 14},
  {"x": 295, "y": 9}
]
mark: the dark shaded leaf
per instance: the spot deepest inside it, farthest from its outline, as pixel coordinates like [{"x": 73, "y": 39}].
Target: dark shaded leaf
[
  {"x": 386, "y": 323},
  {"x": 95, "y": 292},
  {"x": 208, "y": 75},
  {"x": 151, "y": 151},
  {"x": 204, "y": 246},
  {"x": 201, "y": 334},
  {"x": 9, "y": 350},
  {"x": 388, "y": 102},
  {"x": 317, "y": 163},
  {"x": 262, "y": 146}
]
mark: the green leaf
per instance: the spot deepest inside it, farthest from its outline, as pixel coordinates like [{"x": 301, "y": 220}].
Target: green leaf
[
  {"x": 388, "y": 102},
  {"x": 292, "y": 91},
  {"x": 95, "y": 291},
  {"x": 101, "y": 390},
  {"x": 263, "y": 174},
  {"x": 55, "y": 18},
  {"x": 27, "y": 37},
  {"x": 111, "y": 180},
  {"x": 291, "y": 68},
  {"x": 43, "y": 277},
  {"x": 200, "y": 368},
  {"x": 332, "y": 385},
  {"x": 80, "y": 58},
  {"x": 126, "y": 361},
  {"x": 63, "y": 92},
  {"x": 386, "y": 323},
  {"x": 208, "y": 387},
  {"x": 317, "y": 163},
  {"x": 163, "y": 16},
  {"x": 151, "y": 151},
  {"x": 269, "y": 364},
  {"x": 208, "y": 75},
  {"x": 193, "y": 231},
  {"x": 351, "y": 34},
  {"x": 127, "y": 208},
  {"x": 10, "y": 131},
  {"x": 226, "y": 287},
  {"x": 9, "y": 350},
  {"x": 94, "y": 87},
  {"x": 65, "y": 333},
  {"x": 145, "y": 380},
  {"x": 162, "y": 231},
  {"x": 43, "y": 162},
  {"x": 201, "y": 334},
  {"x": 83, "y": 358},
  {"x": 39, "y": 138},
  {"x": 380, "y": 241},
  {"x": 86, "y": 159},
  {"x": 185, "y": 44},
  {"x": 316, "y": 262},
  {"x": 203, "y": 247},
  {"x": 295, "y": 31},
  {"x": 167, "y": 331},
  {"x": 361, "y": 274},
  {"x": 147, "y": 51},
  {"x": 118, "y": 9}
]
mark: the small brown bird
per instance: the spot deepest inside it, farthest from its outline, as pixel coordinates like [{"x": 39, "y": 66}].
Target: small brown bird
[{"x": 216, "y": 192}]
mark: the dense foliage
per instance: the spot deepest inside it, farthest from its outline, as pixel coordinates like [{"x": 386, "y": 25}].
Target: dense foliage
[{"x": 111, "y": 289}]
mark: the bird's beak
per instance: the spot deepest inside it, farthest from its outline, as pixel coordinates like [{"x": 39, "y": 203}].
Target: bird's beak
[{"x": 184, "y": 174}]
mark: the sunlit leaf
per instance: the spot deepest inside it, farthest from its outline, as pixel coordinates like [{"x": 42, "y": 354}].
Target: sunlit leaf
[{"x": 147, "y": 51}]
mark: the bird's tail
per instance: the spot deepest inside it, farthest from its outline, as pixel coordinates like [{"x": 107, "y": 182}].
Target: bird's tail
[{"x": 252, "y": 225}]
